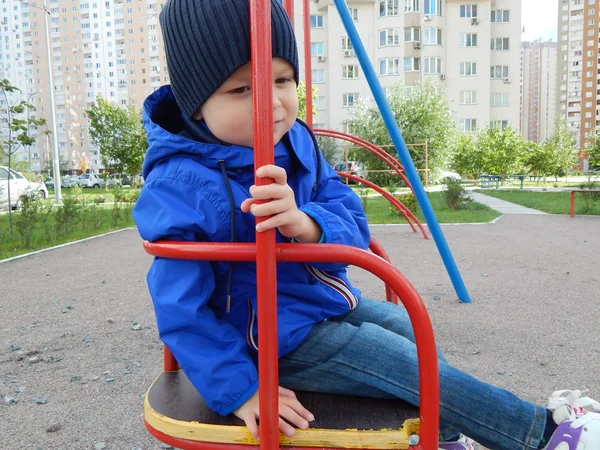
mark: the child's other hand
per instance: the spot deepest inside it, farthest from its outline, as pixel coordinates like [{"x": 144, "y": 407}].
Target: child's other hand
[
  {"x": 280, "y": 207},
  {"x": 290, "y": 409}
]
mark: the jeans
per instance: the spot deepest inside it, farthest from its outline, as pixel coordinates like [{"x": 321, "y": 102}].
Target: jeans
[{"x": 370, "y": 351}]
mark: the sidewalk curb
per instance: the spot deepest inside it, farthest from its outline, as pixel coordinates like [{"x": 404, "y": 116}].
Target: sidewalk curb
[{"x": 13, "y": 258}]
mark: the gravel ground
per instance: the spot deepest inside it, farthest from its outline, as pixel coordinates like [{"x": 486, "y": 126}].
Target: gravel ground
[{"x": 79, "y": 347}]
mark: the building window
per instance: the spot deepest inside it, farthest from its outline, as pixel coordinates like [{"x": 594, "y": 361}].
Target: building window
[
  {"x": 412, "y": 34},
  {"x": 433, "y": 7},
  {"x": 389, "y": 8},
  {"x": 468, "y": 97},
  {"x": 499, "y": 99},
  {"x": 318, "y": 76},
  {"x": 468, "y": 69},
  {"x": 468, "y": 10},
  {"x": 354, "y": 14},
  {"x": 388, "y": 37},
  {"x": 320, "y": 103},
  {"x": 498, "y": 72},
  {"x": 350, "y": 72},
  {"x": 502, "y": 124},
  {"x": 411, "y": 5},
  {"x": 346, "y": 44},
  {"x": 316, "y": 21},
  {"x": 349, "y": 100},
  {"x": 411, "y": 64},
  {"x": 468, "y": 125},
  {"x": 432, "y": 66},
  {"x": 317, "y": 48},
  {"x": 468, "y": 39},
  {"x": 499, "y": 44},
  {"x": 432, "y": 36},
  {"x": 500, "y": 16},
  {"x": 389, "y": 66}
]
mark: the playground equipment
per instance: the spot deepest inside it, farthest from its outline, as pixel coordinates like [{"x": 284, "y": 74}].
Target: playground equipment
[{"x": 174, "y": 411}]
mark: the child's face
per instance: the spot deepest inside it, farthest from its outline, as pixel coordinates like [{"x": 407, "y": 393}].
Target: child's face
[{"x": 228, "y": 112}]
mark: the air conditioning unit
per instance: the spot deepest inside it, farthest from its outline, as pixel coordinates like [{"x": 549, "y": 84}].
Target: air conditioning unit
[
  {"x": 321, "y": 58},
  {"x": 442, "y": 76},
  {"x": 348, "y": 53},
  {"x": 506, "y": 80},
  {"x": 417, "y": 45},
  {"x": 474, "y": 21}
]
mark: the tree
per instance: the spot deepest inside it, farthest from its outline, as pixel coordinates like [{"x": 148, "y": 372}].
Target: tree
[
  {"x": 422, "y": 114},
  {"x": 501, "y": 151},
  {"x": 302, "y": 101},
  {"x": 119, "y": 134},
  {"x": 562, "y": 151},
  {"x": 63, "y": 165},
  {"x": 17, "y": 131},
  {"x": 593, "y": 152},
  {"x": 466, "y": 157},
  {"x": 329, "y": 148}
]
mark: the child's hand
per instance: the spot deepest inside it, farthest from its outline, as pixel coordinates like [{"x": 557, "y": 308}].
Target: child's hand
[
  {"x": 280, "y": 204},
  {"x": 290, "y": 409}
]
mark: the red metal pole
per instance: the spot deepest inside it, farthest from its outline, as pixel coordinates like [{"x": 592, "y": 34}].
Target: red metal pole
[
  {"x": 266, "y": 282},
  {"x": 289, "y": 7},
  {"x": 425, "y": 340},
  {"x": 307, "y": 62},
  {"x": 170, "y": 364},
  {"x": 572, "y": 203}
]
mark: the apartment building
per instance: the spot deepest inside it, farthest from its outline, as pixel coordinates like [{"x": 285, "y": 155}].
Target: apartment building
[
  {"x": 578, "y": 101},
  {"x": 470, "y": 48},
  {"x": 538, "y": 84},
  {"x": 108, "y": 48}
]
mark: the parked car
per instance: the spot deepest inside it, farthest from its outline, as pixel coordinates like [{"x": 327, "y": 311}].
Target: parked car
[
  {"x": 49, "y": 182},
  {"x": 68, "y": 181},
  {"x": 19, "y": 185},
  {"x": 121, "y": 178},
  {"x": 92, "y": 180},
  {"x": 353, "y": 168}
]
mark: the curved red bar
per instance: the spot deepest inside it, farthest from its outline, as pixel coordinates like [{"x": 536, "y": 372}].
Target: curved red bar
[{"x": 425, "y": 339}]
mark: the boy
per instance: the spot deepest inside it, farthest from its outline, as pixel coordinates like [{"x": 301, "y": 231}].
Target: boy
[{"x": 199, "y": 187}]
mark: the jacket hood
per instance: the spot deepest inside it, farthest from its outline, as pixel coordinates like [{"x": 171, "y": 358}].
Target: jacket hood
[{"x": 164, "y": 125}]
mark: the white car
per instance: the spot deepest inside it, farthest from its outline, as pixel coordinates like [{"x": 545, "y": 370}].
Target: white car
[{"x": 19, "y": 185}]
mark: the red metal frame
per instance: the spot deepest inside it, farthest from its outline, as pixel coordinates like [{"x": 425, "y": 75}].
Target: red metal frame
[
  {"x": 425, "y": 340},
  {"x": 266, "y": 281},
  {"x": 573, "y": 192},
  {"x": 307, "y": 62},
  {"x": 289, "y": 7},
  {"x": 401, "y": 207}
]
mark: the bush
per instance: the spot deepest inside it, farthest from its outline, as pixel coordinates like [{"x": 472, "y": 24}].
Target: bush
[{"x": 455, "y": 194}]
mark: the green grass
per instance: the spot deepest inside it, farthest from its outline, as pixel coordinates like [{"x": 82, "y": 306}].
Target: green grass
[
  {"x": 550, "y": 202},
  {"x": 43, "y": 231},
  {"x": 89, "y": 194},
  {"x": 378, "y": 211}
]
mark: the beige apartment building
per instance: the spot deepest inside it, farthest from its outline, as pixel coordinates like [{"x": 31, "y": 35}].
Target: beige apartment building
[
  {"x": 470, "y": 48},
  {"x": 113, "y": 48},
  {"x": 578, "y": 101},
  {"x": 538, "y": 83},
  {"x": 108, "y": 48}
]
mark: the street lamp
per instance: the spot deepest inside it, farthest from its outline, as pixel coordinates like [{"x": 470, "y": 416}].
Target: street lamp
[{"x": 422, "y": 62}]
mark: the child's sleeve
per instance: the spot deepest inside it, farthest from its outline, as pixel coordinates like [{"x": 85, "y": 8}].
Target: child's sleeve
[
  {"x": 212, "y": 353},
  {"x": 339, "y": 212}
]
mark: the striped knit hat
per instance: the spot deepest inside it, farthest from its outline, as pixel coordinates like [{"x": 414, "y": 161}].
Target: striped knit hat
[{"x": 207, "y": 40}]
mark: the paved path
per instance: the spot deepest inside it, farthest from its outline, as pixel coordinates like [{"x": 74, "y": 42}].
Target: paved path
[
  {"x": 503, "y": 206},
  {"x": 88, "y": 340}
]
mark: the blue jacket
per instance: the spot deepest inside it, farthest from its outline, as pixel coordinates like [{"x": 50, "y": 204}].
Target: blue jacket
[{"x": 185, "y": 198}]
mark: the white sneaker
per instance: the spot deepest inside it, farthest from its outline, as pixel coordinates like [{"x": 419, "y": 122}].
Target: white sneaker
[{"x": 578, "y": 420}]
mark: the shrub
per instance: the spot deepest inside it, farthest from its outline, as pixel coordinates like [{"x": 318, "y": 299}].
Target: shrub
[{"x": 455, "y": 194}]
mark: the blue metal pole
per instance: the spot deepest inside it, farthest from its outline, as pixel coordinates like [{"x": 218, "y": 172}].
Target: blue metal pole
[{"x": 398, "y": 140}]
